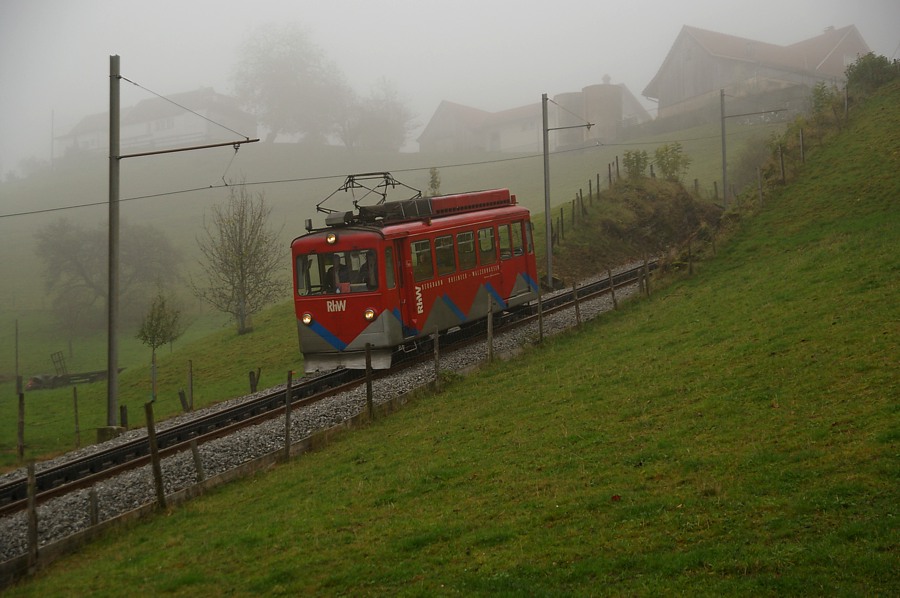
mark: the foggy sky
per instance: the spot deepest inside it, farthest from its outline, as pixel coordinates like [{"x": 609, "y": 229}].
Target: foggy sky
[{"x": 489, "y": 54}]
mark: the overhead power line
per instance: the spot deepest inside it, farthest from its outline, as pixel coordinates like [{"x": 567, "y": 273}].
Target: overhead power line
[
  {"x": 342, "y": 176},
  {"x": 162, "y": 97}
]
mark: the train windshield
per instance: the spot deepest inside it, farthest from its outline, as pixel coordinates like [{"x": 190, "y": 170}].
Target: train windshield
[{"x": 339, "y": 272}]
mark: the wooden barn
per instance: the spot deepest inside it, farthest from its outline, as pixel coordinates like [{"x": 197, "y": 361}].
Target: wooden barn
[{"x": 701, "y": 63}]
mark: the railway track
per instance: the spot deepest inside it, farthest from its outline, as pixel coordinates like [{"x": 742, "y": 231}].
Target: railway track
[{"x": 88, "y": 470}]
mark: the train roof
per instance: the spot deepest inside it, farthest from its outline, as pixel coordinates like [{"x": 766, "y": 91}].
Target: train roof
[{"x": 420, "y": 209}]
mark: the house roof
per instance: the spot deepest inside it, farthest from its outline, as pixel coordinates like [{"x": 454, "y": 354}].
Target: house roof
[
  {"x": 450, "y": 115},
  {"x": 814, "y": 55},
  {"x": 528, "y": 112}
]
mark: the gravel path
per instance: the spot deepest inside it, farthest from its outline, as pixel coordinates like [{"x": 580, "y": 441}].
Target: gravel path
[{"x": 63, "y": 516}]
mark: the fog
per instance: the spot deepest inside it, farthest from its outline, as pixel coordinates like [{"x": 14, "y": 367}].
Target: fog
[{"x": 492, "y": 55}]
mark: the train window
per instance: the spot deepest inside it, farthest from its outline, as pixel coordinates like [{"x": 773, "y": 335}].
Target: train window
[
  {"x": 516, "y": 228},
  {"x": 389, "y": 279},
  {"x": 487, "y": 252},
  {"x": 309, "y": 275},
  {"x": 465, "y": 245},
  {"x": 340, "y": 272},
  {"x": 443, "y": 252},
  {"x": 505, "y": 244},
  {"x": 423, "y": 268},
  {"x": 529, "y": 240}
]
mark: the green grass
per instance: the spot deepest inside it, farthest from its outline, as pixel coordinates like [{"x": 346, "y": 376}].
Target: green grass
[
  {"x": 221, "y": 361},
  {"x": 736, "y": 434}
]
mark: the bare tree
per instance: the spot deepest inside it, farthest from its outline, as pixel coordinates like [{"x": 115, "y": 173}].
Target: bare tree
[
  {"x": 243, "y": 258},
  {"x": 160, "y": 325}
]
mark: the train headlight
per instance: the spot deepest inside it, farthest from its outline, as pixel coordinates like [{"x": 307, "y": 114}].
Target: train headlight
[
  {"x": 306, "y": 318},
  {"x": 369, "y": 314},
  {"x": 331, "y": 238}
]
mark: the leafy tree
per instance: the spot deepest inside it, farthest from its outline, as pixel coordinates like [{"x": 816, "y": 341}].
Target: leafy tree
[
  {"x": 76, "y": 269},
  {"x": 289, "y": 84},
  {"x": 160, "y": 325},
  {"x": 385, "y": 118},
  {"x": 870, "y": 72},
  {"x": 381, "y": 121},
  {"x": 243, "y": 258},
  {"x": 636, "y": 163},
  {"x": 671, "y": 161}
]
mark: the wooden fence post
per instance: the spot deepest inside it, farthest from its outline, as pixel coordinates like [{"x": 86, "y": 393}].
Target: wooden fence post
[
  {"x": 802, "y": 153},
  {"x": 781, "y": 160},
  {"x": 690, "y": 259},
  {"x": 75, "y": 405},
  {"x": 287, "y": 415},
  {"x": 577, "y": 306},
  {"x": 198, "y": 462},
  {"x": 191, "y": 384},
  {"x": 154, "y": 456},
  {"x": 93, "y": 507},
  {"x": 612, "y": 288},
  {"x": 254, "y": 379},
  {"x": 437, "y": 360},
  {"x": 646, "y": 276},
  {"x": 490, "y": 329},
  {"x": 20, "y": 427},
  {"x": 541, "y": 311},
  {"x": 32, "y": 518},
  {"x": 759, "y": 184},
  {"x": 370, "y": 405}
]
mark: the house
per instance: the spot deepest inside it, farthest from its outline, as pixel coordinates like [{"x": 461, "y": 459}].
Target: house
[
  {"x": 701, "y": 63},
  {"x": 191, "y": 118},
  {"x": 455, "y": 127}
]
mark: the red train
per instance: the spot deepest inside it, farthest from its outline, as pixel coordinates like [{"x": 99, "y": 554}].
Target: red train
[{"x": 393, "y": 273}]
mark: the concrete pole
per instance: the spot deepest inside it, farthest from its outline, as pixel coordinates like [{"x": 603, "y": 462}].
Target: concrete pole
[
  {"x": 724, "y": 169},
  {"x": 547, "y": 216},
  {"x": 112, "y": 300}
]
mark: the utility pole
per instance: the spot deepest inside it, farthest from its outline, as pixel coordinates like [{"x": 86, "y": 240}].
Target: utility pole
[
  {"x": 548, "y": 224},
  {"x": 724, "y": 169},
  {"x": 547, "y": 216},
  {"x": 112, "y": 299}
]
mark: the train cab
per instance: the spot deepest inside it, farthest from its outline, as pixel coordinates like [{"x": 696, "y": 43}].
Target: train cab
[{"x": 400, "y": 271}]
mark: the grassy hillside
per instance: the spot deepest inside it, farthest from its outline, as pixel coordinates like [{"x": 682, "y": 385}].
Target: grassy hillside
[
  {"x": 293, "y": 179},
  {"x": 737, "y": 434},
  {"x": 299, "y": 178}
]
